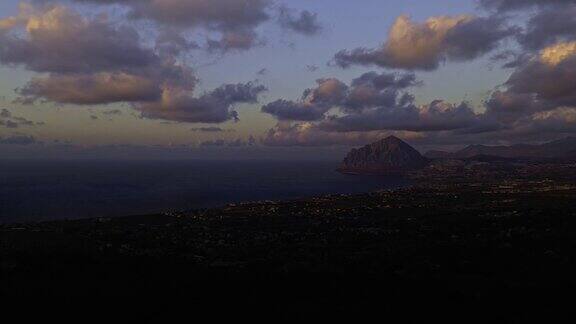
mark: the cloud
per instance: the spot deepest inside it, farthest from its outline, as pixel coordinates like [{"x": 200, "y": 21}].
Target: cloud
[
  {"x": 313, "y": 104},
  {"x": 9, "y": 124},
  {"x": 112, "y": 112},
  {"x": 209, "y": 129},
  {"x": 308, "y": 135},
  {"x": 88, "y": 61},
  {"x": 549, "y": 77},
  {"x": 234, "y": 40},
  {"x": 424, "y": 46},
  {"x": 93, "y": 61},
  {"x": 371, "y": 106},
  {"x": 540, "y": 94},
  {"x": 215, "y": 14},
  {"x": 368, "y": 91},
  {"x": 171, "y": 43},
  {"x": 305, "y": 22},
  {"x": 503, "y": 5},
  {"x": 436, "y": 116},
  {"x": 5, "y": 113},
  {"x": 289, "y": 110},
  {"x": 233, "y": 143},
  {"x": 212, "y": 107},
  {"x": 58, "y": 39},
  {"x": 312, "y": 68},
  {"x": 91, "y": 89},
  {"x": 18, "y": 140},
  {"x": 235, "y": 21},
  {"x": 549, "y": 26},
  {"x": 8, "y": 120}
]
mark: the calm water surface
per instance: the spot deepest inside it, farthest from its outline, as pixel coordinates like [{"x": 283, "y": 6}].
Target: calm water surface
[{"x": 45, "y": 190}]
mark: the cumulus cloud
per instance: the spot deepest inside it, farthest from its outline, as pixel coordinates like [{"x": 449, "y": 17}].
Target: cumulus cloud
[
  {"x": 371, "y": 90},
  {"x": 540, "y": 94},
  {"x": 91, "y": 89},
  {"x": 313, "y": 105},
  {"x": 58, "y": 39},
  {"x": 549, "y": 26},
  {"x": 235, "y": 21},
  {"x": 549, "y": 78},
  {"x": 92, "y": 61},
  {"x": 423, "y": 46},
  {"x": 436, "y": 116},
  {"x": 88, "y": 61},
  {"x": 216, "y": 106},
  {"x": 305, "y": 22},
  {"x": 371, "y": 105}
]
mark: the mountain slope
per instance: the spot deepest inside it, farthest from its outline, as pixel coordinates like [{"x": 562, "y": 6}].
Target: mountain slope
[
  {"x": 388, "y": 156},
  {"x": 557, "y": 149}
]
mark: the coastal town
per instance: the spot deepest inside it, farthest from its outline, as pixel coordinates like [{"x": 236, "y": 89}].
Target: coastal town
[{"x": 455, "y": 239}]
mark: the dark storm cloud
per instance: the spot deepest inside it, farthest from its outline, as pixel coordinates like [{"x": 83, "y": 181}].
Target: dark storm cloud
[
  {"x": 305, "y": 22},
  {"x": 424, "y": 46}
]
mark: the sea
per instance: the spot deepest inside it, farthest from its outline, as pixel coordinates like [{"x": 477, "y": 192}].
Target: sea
[{"x": 43, "y": 190}]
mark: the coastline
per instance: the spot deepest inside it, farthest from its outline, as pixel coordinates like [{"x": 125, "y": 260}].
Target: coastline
[{"x": 502, "y": 242}]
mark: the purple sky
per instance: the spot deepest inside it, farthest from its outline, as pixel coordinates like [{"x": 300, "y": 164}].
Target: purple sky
[{"x": 230, "y": 74}]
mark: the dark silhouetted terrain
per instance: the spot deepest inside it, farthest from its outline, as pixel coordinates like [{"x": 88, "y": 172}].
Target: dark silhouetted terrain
[
  {"x": 497, "y": 251},
  {"x": 564, "y": 148},
  {"x": 388, "y": 156}
]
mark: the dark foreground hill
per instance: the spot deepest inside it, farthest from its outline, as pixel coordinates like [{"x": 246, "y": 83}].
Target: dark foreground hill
[
  {"x": 388, "y": 156},
  {"x": 478, "y": 253}
]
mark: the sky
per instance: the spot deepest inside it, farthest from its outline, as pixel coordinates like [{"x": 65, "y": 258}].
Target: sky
[{"x": 272, "y": 75}]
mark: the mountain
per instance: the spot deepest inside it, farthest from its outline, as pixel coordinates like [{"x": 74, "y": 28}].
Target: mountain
[
  {"x": 563, "y": 148},
  {"x": 438, "y": 154},
  {"x": 388, "y": 156}
]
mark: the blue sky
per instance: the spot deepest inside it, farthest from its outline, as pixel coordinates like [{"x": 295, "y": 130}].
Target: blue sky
[{"x": 284, "y": 54}]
